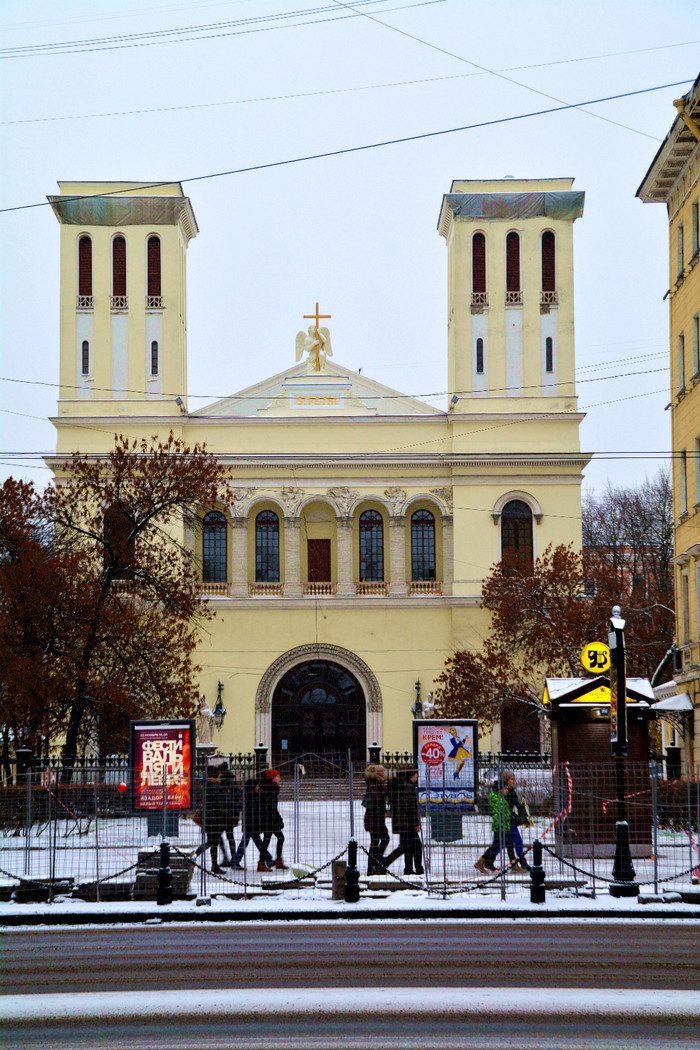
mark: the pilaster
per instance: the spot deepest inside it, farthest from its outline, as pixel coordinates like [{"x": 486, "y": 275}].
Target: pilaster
[
  {"x": 448, "y": 554},
  {"x": 292, "y": 558},
  {"x": 397, "y": 556},
  {"x": 346, "y": 581},
  {"x": 239, "y": 557}
]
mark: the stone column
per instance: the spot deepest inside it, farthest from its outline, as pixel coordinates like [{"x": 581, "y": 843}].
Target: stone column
[
  {"x": 239, "y": 557},
  {"x": 346, "y": 581},
  {"x": 448, "y": 554},
  {"x": 397, "y": 556},
  {"x": 292, "y": 558}
]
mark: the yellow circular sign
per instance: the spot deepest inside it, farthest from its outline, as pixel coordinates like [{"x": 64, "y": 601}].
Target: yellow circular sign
[{"x": 595, "y": 657}]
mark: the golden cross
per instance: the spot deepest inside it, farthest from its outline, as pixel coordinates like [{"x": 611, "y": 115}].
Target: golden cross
[{"x": 316, "y": 317}]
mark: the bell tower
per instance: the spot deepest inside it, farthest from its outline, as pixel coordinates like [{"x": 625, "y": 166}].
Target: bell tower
[
  {"x": 510, "y": 294},
  {"x": 123, "y": 296}
]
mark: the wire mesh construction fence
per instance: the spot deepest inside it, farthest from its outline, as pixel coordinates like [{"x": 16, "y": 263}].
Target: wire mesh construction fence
[{"x": 82, "y": 838}]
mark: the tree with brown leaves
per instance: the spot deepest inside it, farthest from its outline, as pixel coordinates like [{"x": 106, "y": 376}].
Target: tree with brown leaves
[{"x": 98, "y": 605}]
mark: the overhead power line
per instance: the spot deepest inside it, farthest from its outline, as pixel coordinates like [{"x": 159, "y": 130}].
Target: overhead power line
[{"x": 363, "y": 148}]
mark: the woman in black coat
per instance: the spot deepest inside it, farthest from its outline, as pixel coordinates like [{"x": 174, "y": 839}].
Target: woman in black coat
[
  {"x": 375, "y": 818},
  {"x": 405, "y": 822},
  {"x": 271, "y": 822}
]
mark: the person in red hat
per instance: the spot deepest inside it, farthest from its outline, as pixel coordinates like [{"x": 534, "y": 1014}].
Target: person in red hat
[{"x": 271, "y": 822}]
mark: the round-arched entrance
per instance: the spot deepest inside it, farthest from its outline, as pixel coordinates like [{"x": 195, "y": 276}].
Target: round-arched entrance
[{"x": 318, "y": 708}]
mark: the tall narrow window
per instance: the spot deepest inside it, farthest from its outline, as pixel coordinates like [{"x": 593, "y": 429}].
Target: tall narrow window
[
  {"x": 119, "y": 544},
  {"x": 694, "y": 231},
  {"x": 154, "y": 358},
  {"x": 371, "y": 546},
  {"x": 214, "y": 547},
  {"x": 119, "y": 301},
  {"x": 422, "y": 545},
  {"x": 681, "y": 363},
  {"x": 697, "y": 495},
  {"x": 513, "y": 294},
  {"x": 549, "y": 354},
  {"x": 85, "y": 358},
  {"x": 696, "y": 345},
  {"x": 517, "y": 549},
  {"x": 85, "y": 272},
  {"x": 549, "y": 273},
  {"x": 479, "y": 296},
  {"x": 679, "y": 249},
  {"x": 154, "y": 293},
  {"x": 267, "y": 547},
  {"x": 683, "y": 479},
  {"x": 480, "y": 356}
]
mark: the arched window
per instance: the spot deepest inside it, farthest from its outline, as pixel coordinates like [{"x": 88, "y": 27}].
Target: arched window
[
  {"x": 118, "y": 272},
  {"x": 267, "y": 547},
  {"x": 154, "y": 358},
  {"x": 153, "y": 291},
  {"x": 480, "y": 356},
  {"x": 85, "y": 363},
  {"x": 549, "y": 354},
  {"x": 513, "y": 268},
  {"x": 422, "y": 545},
  {"x": 371, "y": 546},
  {"x": 517, "y": 551},
  {"x": 479, "y": 269},
  {"x": 214, "y": 547},
  {"x": 549, "y": 273},
  {"x": 85, "y": 272}
]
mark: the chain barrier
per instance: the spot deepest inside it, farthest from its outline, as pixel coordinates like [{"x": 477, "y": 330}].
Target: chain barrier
[
  {"x": 283, "y": 883},
  {"x": 604, "y": 878},
  {"x": 76, "y": 885}
]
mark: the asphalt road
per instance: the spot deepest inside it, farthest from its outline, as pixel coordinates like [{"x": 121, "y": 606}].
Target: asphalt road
[{"x": 589, "y": 954}]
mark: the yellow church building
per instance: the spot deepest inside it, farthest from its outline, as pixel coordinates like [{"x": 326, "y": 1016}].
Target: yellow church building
[{"x": 345, "y": 564}]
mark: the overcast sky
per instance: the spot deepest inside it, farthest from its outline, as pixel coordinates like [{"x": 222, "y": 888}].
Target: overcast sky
[{"x": 214, "y": 87}]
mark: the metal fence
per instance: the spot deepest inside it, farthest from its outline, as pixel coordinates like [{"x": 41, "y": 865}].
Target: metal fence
[{"x": 82, "y": 838}]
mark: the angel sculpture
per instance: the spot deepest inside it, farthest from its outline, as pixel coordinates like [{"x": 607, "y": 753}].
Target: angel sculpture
[{"x": 317, "y": 344}]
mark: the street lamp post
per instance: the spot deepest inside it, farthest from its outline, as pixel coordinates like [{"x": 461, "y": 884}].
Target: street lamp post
[
  {"x": 219, "y": 712},
  {"x": 417, "y": 709},
  {"x": 623, "y": 870}
]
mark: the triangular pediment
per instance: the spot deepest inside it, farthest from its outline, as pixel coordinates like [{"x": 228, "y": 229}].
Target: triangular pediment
[{"x": 335, "y": 391}]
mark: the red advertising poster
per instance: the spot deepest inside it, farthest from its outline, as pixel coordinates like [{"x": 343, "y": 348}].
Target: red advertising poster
[{"x": 162, "y": 750}]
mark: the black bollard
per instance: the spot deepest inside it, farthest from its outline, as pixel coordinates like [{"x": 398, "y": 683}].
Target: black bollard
[
  {"x": 537, "y": 891},
  {"x": 352, "y": 875},
  {"x": 165, "y": 876}
]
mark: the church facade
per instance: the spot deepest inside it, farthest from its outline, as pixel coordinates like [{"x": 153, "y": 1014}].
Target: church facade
[{"x": 345, "y": 563}]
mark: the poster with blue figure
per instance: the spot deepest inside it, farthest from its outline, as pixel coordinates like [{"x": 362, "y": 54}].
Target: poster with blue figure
[{"x": 446, "y": 755}]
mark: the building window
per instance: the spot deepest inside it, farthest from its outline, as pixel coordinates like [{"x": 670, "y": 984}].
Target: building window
[
  {"x": 517, "y": 548},
  {"x": 119, "y": 544},
  {"x": 371, "y": 546},
  {"x": 549, "y": 273},
  {"x": 681, "y": 363},
  {"x": 480, "y": 356},
  {"x": 685, "y": 608},
  {"x": 85, "y": 354},
  {"x": 214, "y": 547},
  {"x": 85, "y": 272},
  {"x": 683, "y": 479},
  {"x": 694, "y": 233},
  {"x": 549, "y": 354},
  {"x": 422, "y": 545},
  {"x": 679, "y": 249},
  {"x": 697, "y": 488},
  {"x": 154, "y": 358},
  {"x": 153, "y": 289},
  {"x": 479, "y": 296},
  {"x": 119, "y": 300},
  {"x": 696, "y": 345},
  {"x": 513, "y": 293},
  {"x": 267, "y": 547}
]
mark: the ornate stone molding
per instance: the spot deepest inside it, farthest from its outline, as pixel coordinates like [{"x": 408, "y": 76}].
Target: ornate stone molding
[
  {"x": 397, "y": 498},
  {"x": 344, "y": 498},
  {"x": 291, "y": 499},
  {"x": 318, "y": 651},
  {"x": 236, "y": 498},
  {"x": 445, "y": 496}
]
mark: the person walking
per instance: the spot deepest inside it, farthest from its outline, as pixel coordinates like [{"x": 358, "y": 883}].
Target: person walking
[
  {"x": 271, "y": 822},
  {"x": 405, "y": 822},
  {"x": 217, "y": 812},
  {"x": 519, "y": 816},
  {"x": 375, "y": 817},
  {"x": 500, "y": 826},
  {"x": 252, "y": 816}
]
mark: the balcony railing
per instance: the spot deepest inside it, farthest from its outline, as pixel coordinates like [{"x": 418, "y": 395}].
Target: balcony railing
[
  {"x": 549, "y": 298},
  {"x": 318, "y": 590},
  {"x": 265, "y": 590},
  {"x": 154, "y": 302},
  {"x": 425, "y": 587},
  {"x": 368, "y": 587},
  {"x": 214, "y": 590},
  {"x": 514, "y": 298},
  {"x": 120, "y": 302},
  {"x": 85, "y": 302},
  {"x": 480, "y": 298}
]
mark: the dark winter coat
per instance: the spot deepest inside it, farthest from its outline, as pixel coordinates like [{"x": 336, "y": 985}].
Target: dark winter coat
[
  {"x": 270, "y": 816},
  {"x": 518, "y": 810},
  {"x": 252, "y": 808},
  {"x": 403, "y": 797},
  {"x": 375, "y": 802},
  {"x": 218, "y": 808}
]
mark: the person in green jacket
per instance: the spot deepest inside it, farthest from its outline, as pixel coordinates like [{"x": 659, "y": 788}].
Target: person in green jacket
[{"x": 500, "y": 825}]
